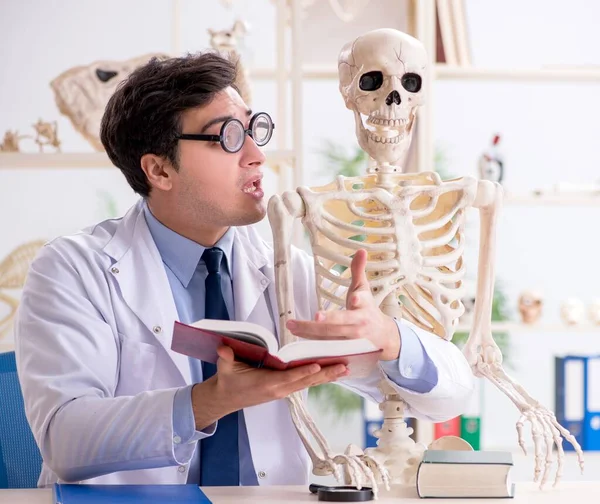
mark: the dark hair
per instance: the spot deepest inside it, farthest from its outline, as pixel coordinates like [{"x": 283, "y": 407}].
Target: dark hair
[{"x": 143, "y": 115}]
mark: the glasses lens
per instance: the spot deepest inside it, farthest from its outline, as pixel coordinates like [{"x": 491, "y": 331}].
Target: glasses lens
[
  {"x": 262, "y": 129},
  {"x": 233, "y": 136}
]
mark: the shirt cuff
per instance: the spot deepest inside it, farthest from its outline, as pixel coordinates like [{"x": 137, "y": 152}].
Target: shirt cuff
[
  {"x": 413, "y": 370},
  {"x": 184, "y": 424}
]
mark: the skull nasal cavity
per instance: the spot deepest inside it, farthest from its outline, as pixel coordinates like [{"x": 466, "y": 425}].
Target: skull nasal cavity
[{"x": 393, "y": 97}]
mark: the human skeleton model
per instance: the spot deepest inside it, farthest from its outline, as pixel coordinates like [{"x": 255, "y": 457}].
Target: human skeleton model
[
  {"x": 13, "y": 272},
  {"x": 412, "y": 227},
  {"x": 226, "y": 42}
]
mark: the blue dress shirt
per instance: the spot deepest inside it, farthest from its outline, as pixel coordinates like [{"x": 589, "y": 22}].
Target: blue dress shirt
[{"x": 186, "y": 273}]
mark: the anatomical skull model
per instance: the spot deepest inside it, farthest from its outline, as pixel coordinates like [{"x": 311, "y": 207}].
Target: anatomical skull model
[
  {"x": 530, "y": 306},
  {"x": 572, "y": 311},
  {"x": 412, "y": 227},
  {"x": 594, "y": 311}
]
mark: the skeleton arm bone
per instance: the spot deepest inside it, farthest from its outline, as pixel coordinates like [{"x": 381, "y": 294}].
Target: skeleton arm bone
[{"x": 485, "y": 357}]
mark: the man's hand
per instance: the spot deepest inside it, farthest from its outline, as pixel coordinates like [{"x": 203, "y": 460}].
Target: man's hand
[
  {"x": 236, "y": 386},
  {"x": 361, "y": 319}
]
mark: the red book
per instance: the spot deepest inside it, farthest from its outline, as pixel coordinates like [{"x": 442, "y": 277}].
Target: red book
[
  {"x": 255, "y": 345},
  {"x": 449, "y": 428}
]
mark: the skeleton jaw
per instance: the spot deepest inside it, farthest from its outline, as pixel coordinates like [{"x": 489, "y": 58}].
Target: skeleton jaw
[{"x": 385, "y": 139}]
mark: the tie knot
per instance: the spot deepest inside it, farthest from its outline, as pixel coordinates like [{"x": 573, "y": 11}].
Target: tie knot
[{"x": 213, "y": 257}]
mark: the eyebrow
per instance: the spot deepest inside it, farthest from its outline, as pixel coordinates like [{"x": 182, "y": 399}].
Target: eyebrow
[{"x": 221, "y": 119}]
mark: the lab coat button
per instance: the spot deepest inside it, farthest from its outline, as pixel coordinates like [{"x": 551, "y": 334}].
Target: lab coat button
[
  {"x": 262, "y": 474},
  {"x": 114, "y": 269},
  {"x": 181, "y": 469},
  {"x": 156, "y": 329},
  {"x": 264, "y": 281},
  {"x": 176, "y": 439}
]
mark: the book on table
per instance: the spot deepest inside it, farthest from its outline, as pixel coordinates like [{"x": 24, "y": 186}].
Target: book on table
[
  {"x": 253, "y": 344},
  {"x": 465, "y": 474}
]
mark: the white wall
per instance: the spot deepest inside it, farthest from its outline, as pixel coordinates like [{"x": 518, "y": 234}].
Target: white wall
[{"x": 548, "y": 133}]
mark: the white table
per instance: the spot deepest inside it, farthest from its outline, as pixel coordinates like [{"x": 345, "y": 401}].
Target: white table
[{"x": 567, "y": 492}]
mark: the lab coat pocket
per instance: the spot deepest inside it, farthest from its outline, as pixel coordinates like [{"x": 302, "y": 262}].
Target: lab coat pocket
[{"x": 138, "y": 363}]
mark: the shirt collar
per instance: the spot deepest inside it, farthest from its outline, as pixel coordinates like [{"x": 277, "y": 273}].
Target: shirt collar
[{"x": 181, "y": 254}]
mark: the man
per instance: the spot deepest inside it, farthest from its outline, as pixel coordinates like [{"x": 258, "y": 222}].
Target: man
[{"x": 107, "y": 400}]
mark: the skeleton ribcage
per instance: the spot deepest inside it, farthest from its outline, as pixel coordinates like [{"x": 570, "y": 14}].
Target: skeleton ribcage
[{"x": 413, "y": 234}]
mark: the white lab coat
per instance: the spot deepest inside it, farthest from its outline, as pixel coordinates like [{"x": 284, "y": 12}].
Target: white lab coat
[{"x": 98, "y": 376}]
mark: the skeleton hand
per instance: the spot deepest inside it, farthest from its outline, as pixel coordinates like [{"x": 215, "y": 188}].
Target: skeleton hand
[
  {"x": 361, "y": 319},
  {"x": 486, "y": 360}
]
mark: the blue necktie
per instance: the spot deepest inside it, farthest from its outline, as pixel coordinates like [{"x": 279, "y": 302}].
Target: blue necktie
[{"x": 220, "y": 459}]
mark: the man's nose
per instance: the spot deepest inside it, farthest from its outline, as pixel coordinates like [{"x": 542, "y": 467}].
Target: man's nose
[{"x": 252, "y": 155}]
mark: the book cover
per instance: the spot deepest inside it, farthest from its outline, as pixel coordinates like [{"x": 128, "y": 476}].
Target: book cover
[
  {"x": 591, "y": 416},
  {"x": 467, "y": 457},
  {"x": 127, "y": 494},
  {"x": 252, "y": 346},
  {"x": 569, "y": 407}
]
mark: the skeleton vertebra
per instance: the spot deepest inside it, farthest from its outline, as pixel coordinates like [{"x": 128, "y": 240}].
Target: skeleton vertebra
[{"x": 412, "y": 228}]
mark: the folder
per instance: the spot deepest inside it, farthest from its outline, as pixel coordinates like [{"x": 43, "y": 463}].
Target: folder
[
  {"x": 569, "y": 399},
  {"x": 128, "y": 494},
  {"x": 591, "y": 420}
]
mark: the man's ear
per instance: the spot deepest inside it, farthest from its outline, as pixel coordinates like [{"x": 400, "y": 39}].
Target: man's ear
[{"x": 159, "y": 171}]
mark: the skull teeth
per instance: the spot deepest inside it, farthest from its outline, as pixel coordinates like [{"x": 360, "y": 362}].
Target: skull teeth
[
  {"x": 377, "y": 138},
  {"x": 386, "y": 122}
]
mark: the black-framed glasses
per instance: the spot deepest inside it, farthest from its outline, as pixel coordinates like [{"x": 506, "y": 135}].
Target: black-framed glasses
[{"x": 233, "y": 135}]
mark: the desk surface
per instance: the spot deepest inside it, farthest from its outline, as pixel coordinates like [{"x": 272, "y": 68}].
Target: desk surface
[{"x": 579, "y": 492}]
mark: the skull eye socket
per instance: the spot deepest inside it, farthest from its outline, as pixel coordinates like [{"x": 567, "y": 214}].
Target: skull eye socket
[
  {"x": 412, "y": 82},
  {"x": 371, "y": 81}
]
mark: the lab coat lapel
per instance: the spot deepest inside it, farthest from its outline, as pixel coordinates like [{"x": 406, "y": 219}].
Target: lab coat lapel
[
  {"x": 143, "y": 281},
  {"x": 249, "y": 282}
]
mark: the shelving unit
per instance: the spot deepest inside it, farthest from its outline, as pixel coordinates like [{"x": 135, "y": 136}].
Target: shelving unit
[
  {"x": 517, "y": 327},
  {"x": 81, "y": 160}
]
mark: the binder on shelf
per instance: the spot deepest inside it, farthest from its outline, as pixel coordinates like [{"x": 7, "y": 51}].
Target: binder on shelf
[
  {"x": 449, "y": 428},
  {"x": 569, "y": 399},
  {"x": 591, "y": 418},
  {"x": 470, "y": 420}
]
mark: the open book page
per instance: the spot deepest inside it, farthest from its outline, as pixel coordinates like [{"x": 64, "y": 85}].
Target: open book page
[
  {"x": 305, "y": 349},
  {"x": 243, "y": 331}
]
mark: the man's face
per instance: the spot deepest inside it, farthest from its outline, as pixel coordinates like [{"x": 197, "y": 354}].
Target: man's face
[{"x": 219, "y": 188}]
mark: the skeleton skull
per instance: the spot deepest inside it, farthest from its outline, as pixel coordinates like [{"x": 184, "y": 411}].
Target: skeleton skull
[
  {"x": 530, "y": 306},
  {"x": 572, "y": 311},
  {"x": 381, "y": 76}
]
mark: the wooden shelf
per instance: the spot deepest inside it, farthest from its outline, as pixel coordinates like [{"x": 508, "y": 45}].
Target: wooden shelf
[
  {"x": 536, "y": 328},
  {"x": 568, "y": 74},
  {"x": 552, "y": 199},
  {"x": 14, "y": 160},
  {"x": 308, "y": 72},
  {"x": 442, "y": 71}
]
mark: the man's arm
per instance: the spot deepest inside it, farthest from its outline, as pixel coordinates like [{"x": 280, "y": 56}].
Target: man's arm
[
  {"x": 444, "y": 399},
  {"x": 68, "y": 358}
]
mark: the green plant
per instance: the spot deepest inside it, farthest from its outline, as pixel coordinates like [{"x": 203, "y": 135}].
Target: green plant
[{"x": 109, "y": 205}]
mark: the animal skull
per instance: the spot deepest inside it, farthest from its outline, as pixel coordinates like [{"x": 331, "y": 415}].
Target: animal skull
[
  {"x": 530, "y": 306},
  {"x": 381, "y": 77}
]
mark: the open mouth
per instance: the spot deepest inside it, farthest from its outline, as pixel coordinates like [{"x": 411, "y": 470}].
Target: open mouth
[
  {"x": 385, "y": 130},
  {"x": 254, "y": 186}
]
